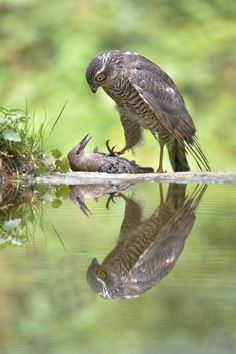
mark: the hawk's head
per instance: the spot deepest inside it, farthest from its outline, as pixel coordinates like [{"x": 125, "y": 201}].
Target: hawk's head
[{"x": 104, "y": 68}]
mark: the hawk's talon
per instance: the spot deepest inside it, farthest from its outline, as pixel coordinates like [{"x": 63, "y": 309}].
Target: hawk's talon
[
  {"x": 110, "y": 150},
  {"x": 112, "y": 196}
]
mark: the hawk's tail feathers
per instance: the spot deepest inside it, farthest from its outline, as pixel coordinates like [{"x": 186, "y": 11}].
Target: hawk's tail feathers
[
  {"x": 177, "y": 155},
  {"x": 178, "y": 150}
]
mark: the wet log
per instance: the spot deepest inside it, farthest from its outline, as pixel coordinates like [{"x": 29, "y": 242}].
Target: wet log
[{"x": 73, "y": 178}]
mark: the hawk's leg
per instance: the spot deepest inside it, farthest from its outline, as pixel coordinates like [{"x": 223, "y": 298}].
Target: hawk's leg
[
  {"x": 122, "y": 151},
  {"x": 160, "y": 167},
  {"x": 132, "y": 132},
  {"x": 162, "y": 144},
  {"x": 162, "y": 200}
]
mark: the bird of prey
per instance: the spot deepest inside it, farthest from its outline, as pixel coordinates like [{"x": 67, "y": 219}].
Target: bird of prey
[
  {"x": 147, "y": 97},
  {"x": 100, "y": 162},
  {"x": 146, "y": 250}
]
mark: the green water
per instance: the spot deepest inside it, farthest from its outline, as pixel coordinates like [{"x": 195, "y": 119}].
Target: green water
[{"x": 47, "y": 305}]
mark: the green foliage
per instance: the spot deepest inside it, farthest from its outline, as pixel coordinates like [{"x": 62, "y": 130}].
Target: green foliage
[
  {"x": 62, "y": 191},
  {"x": 18, "y": 214},
  {"x": 56, "y": 203},
  {"x": 61, "y": 163},
  {"x": 22, "y": 210},
  {"x": 11, "y": 225},
  {"x": 56, "y": 153},
  {"x": 23, "y": 141},
  {"x": 13, "y": 124},
  {"x": 19, "y": 140},
  {"x": 11, "y": 135}
]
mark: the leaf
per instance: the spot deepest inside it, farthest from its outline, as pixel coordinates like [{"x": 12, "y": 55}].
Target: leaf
[
  {"x": 40, "y": 169},
  {"x": 19, "y": 116},
  {"x": 10, "y": 225},
  {"x": 56, "y": 203},
  {"x": 56, "y": 153},
  {"x": 62, "y": 191},
  {"x": 63, "y": 165},
  {"x": 11, "y": 135},
  {"x": 58, "y": 117},
  {"x": 3, "y": 120}
]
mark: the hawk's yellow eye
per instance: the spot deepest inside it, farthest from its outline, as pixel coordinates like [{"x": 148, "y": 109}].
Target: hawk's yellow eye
[
  {"x": 101, "y": 274},
  {"x": 100, "y": 77}
]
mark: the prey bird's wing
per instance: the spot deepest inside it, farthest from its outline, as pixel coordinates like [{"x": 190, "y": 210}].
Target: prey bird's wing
[
  {"x": 132, "y": 130},
  {"x": 162, "y": 96}
]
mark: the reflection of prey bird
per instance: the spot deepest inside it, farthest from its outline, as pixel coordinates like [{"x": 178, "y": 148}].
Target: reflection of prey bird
[
  {"x": 100, "y": 162},
  {"x": 79, "y": 193},
  {"x": 147, "y": 98},
  {"x": 146, "y": 251}
]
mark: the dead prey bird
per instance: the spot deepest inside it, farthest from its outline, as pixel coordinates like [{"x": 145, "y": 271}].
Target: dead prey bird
[{"x": 101, "y": 162}]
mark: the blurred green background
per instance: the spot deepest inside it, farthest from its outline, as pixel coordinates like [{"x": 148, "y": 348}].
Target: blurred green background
[{"x": 46, "y": 46}]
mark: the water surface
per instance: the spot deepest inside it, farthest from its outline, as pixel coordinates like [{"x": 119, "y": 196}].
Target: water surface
[{"x": 48, "y": 306}]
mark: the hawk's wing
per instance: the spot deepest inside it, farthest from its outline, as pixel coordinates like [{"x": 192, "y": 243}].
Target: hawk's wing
[
  {"x": 160, "y": 93},
  {"x": 163, "y": 252}
]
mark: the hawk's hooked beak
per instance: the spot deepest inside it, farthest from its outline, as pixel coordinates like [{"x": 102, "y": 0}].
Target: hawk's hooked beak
[
  {"x": 94, "y": 89},
  {"x": 95, "y": 262}
]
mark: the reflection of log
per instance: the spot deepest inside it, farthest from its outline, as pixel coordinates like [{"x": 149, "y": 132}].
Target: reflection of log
[
  {"x": 12, "y": 196},
  {"x": 8, "y": 166},
  {"x": 14, "y": 165},
  {"x": 74, "y": 178},
  {"x": 12, "y": 193}
]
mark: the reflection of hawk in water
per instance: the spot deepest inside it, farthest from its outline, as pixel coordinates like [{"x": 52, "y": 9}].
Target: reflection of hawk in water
[{"x": 147, "y": 250}]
